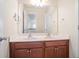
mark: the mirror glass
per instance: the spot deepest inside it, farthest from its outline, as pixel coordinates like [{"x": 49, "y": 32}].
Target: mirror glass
[{"x": 38, "y": 16}]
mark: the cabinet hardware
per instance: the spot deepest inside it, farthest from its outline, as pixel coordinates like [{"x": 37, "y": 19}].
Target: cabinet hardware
[
  {"x": 30, "y": 51},
  {"x": 56, "y": 48}
]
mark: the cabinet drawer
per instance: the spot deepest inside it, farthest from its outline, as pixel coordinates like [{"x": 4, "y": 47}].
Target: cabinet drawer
[
  {"x": 56, "y": 43},
  {"x": 28, "y": 44}
]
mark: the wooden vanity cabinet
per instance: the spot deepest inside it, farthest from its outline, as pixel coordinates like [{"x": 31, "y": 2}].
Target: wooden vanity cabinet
[
  {"x": 46, "y": 49},
  {"x": 57, "y": 49},
  {"x": 26, "y": 50}
]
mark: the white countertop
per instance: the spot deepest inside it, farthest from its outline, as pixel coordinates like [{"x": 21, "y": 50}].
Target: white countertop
[{"x": 25, "y": 39}]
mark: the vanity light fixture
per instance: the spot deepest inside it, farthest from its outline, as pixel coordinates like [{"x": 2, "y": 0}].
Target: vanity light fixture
[{"x": 39, "y": 3}]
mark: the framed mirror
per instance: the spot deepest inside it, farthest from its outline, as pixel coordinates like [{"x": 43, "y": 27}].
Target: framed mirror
[{"x": 39, "y": 18}]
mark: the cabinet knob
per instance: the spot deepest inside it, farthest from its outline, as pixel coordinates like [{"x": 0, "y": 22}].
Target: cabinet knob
[
  {"x": 30, "y": 51},
  {"x": 56, "y": 48}
]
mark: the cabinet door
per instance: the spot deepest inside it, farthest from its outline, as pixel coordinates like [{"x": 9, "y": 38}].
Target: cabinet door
[
  {"x": 50, "y": 52},
  {"x": 36, "y": 52},
  {"x": 61, "y": 51},
  {"x": 21, "y": 53}
]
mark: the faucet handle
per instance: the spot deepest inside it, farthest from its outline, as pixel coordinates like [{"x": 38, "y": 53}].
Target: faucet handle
[
  {"x": 29, "y": 34},
  {"x": 48, "y": 34}
]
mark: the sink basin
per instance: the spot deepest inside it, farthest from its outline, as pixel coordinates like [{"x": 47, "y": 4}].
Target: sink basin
[
  {"x": 39, "y": 35},
  {"x": 59, "y": 36},
  {"x": 19, "y": 37}
]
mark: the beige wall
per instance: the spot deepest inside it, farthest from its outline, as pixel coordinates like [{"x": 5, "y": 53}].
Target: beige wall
[
  {"x": 11, "y": 24},
  {"x": 68, "y": 22},
  {"x": 7, "y": 10},
  {"x": 3, "y": 44},
  {"x": 2, "y": 17}
]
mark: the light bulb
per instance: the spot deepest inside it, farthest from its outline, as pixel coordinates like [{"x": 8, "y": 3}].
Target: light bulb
[{"x": 39, "y": 3}]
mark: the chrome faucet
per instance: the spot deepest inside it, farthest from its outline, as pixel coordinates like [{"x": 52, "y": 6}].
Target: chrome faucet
[
  {"x": 48, "y": 34},
  {"x": 29, "y": 35}
]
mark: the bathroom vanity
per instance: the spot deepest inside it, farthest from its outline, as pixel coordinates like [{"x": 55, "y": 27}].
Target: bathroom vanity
[{"x": 40, "y": 48}]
